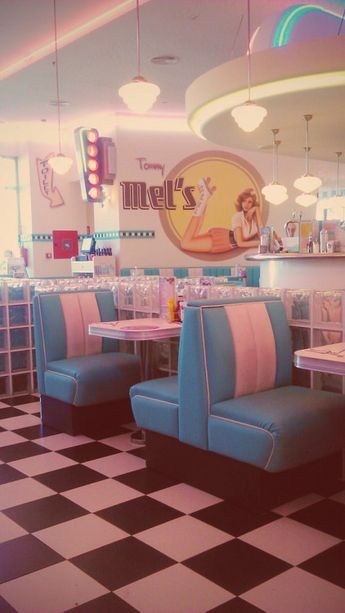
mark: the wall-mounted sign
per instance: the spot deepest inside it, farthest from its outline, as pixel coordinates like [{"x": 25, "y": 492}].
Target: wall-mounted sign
[
  {"x": 228, "y": 211},
  {"x": 46, "y": 182},
  {"x": 96, "y": 160}
]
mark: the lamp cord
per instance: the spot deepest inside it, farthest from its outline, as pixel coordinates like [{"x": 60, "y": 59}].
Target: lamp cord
[
  {"x": 138, "y": 39},
  {"x": 249, "y": 67},
  {"x": 341, "y": 23},
  {"x": 57, "y": 78}
]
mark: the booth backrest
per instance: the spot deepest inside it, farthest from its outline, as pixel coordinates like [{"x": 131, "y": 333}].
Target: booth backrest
[
  {"x": 229, "y": 349},
  {"x": 61, "y": 326}
]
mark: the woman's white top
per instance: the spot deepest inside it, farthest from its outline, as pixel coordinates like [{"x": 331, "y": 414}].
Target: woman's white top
[{"x": 249, "y": 229}]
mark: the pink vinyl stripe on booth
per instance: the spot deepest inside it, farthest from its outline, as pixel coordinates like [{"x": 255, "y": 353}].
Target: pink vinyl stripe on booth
[
  {"x": 73, "y": 324},
  {"x": 254, "y": 347},
  {"x": 90, "y": 314}
]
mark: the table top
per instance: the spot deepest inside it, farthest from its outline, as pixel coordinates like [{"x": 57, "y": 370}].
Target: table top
[
  {"x": 141, "y": 329},
  {"x": 327, "y": 358}
]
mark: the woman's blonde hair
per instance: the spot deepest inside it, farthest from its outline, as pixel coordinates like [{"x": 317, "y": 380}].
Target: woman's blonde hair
[{"x": 247, "y": 193}]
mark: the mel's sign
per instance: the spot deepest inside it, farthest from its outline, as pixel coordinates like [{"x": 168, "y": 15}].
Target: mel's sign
[{"x": 137, "y": 195}]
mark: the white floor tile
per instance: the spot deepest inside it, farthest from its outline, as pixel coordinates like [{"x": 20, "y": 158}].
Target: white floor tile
[
  {"x": 339, "y": 497},
  {"x": 117, "y": 464},
  {"x": 290, "y": 540},
  {"x": 55, "y": 442},
  {"x": 183, "y": 537},
  {"x": 80, "y": 535},
  {"x": 121, "y": 441},
  {"x": 176, "y": 589},
  {"x": 21, "y": 421},
  {"x": 54, "y": 589},
  {"x": 185, "y": 498},
  {"x": 10, "y": 438},
  {"x": 100, "y": 495},
  {"x": 19, "y": 492},
  {"x": 9, "y": 529},
  {"x": 297, "y": 504},
  {"x": 31, "y": 407},
  {"x": 43, "y": 463},
  {"x": 297, "y": 591}
]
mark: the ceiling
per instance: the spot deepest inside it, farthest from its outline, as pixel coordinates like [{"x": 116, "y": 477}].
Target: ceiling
[{"x": 97, "y": 54}]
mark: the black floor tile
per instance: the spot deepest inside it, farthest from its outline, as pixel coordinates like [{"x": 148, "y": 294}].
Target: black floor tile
[
  {"x": 329, "y": 564},
  {"x": 15, "y": 401},
  {"x": 140, "y": 452},
  {"x": 236, "y": 605},
  {"x": 329, "y": 489},
  {"x": 45, "y": 512},
  {"x": 236, "y": 566},
  {"x": 146, "y": 480},
  {"x": 32, "y": 432},
  {"x": 8, "y": 473},
  {"x": 122, "y": 562},
  {"x": 18, "y": 451},
  {"x": 326, "y": 515},
  {"x": 89, "y": 451},
  {"x": 138, "y": 514},
  {"x": 5, "y": 607},
  {"x": 23, "y": 555},
  {"x": 109, "y": 603},
  {"x": 7, "y": 412},
  {"x": 234, "y": 520},
  {"x": 70, "y": 477}
]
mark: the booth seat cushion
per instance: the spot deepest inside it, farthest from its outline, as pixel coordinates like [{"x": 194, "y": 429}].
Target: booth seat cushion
[
  {"x": 92, "y": 379},
  {"x": 278, "y": 429},
  {"x": 155, "y": 405}
]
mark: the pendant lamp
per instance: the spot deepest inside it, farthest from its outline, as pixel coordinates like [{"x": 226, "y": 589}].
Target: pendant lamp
[
  {"x": 249, "y": 115},
  {"x": 274, "y": 192},
  {"x": 307, "y": 183},
  {"x": 139, "y": 94},
  {"x": 60, "y": 163},
  {"x": 337, "y": 202},
  {"x": 306, "y": 199}
]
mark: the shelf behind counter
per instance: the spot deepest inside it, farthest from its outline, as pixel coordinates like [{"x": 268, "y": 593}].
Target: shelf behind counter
[{"x": 301, "y": 270}]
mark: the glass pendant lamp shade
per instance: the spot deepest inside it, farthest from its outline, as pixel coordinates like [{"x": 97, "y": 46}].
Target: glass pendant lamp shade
[
  {"x": 275, "y": 192},
  {"x": 306, "y": 199},
  {"x": 337, "y": 203},
  {"x": 60, "y": 163},
  {"x": 307, "y": 183},
  {"x": 139, "y": 95},
  {"x": 249, "y": 115}
]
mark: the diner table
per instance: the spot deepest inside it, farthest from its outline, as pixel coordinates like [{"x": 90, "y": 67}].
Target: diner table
[
  {"x": 141, "y": 331},
  {"x": 326, "y": 358}
]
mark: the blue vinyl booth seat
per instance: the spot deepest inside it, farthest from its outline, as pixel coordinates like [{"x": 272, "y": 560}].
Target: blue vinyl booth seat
[
  {"x": 83, "y": 380},
  {"x": 232, "y": 421}
]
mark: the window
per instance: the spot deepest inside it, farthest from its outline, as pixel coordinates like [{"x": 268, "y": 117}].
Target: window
[{"x": 9, "y": 224}]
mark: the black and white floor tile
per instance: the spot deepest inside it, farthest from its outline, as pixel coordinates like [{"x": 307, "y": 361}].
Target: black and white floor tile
[{"x": 85, "y": 526}]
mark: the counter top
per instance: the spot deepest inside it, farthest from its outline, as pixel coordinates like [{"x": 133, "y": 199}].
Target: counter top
[{"x": 264, "y": 257}]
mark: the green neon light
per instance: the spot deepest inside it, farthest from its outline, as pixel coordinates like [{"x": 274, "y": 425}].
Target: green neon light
[{"x": 290, "y": 17}]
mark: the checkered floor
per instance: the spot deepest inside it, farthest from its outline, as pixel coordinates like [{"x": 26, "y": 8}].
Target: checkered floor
[{"x": 85, "y": 526}]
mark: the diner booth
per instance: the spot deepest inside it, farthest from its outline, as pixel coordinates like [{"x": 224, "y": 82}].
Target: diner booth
[{"x": 172, "y": 344}]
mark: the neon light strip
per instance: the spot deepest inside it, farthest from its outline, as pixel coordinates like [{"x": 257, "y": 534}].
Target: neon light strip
[
  {"x": 68, "y": 37},
  {"x": 199, "y": 118},
  {"x": 290, "y": 18}
]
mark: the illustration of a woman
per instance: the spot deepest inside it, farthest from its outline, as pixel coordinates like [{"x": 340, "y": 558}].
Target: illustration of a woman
[{"x": 246, "y": 224}]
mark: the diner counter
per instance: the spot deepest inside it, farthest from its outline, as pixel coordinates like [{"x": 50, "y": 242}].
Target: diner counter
[{"x": 301, "y": 270}]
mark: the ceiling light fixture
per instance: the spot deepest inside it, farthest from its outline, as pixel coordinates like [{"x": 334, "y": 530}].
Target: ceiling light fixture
[
  {"x": 139, "y": 94},
  {"x": 249, "y": 115},
  {"x": 60, "y": 163},
  {"x": 274, "y": 192},
  {"x": 307, "y": 183},
  {"x": 306, "y": 199},
  {"x": 337, "y": 202}
]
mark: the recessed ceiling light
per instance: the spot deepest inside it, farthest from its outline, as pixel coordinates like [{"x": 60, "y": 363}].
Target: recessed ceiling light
[{"x": 165, "y": 59}]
